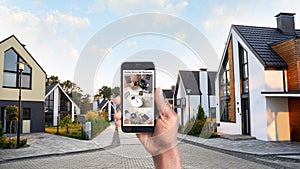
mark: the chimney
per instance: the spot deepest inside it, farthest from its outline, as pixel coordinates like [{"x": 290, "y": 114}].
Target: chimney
[{"x": 285, "y": 23}]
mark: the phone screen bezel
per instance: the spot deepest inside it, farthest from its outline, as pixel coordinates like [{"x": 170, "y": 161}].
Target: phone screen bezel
[{"x": 136, "y": 66}]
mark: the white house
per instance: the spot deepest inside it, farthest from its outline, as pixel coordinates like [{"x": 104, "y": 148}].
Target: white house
[
  {"x": 194, "y": 88},
  {"x": 258, "y": 81},
  {"x": 58, "y": 104}
]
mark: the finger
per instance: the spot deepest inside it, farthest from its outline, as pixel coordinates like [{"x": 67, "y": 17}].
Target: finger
[
  {"x": 143, "y": 136},
  {"x": 117, "y": 115},
  {"x": 162, "y": 105},
  {"x": 118, "y": 123}
]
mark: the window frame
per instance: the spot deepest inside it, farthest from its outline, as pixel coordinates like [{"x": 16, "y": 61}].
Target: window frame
[{"x": 16, "y": 72}]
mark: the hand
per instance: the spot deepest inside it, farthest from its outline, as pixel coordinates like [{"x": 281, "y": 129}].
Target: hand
[{"x": 162, "y": 143}]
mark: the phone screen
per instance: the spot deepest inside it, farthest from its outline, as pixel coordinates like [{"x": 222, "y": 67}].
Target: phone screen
[{"x": 138, "y": 98}]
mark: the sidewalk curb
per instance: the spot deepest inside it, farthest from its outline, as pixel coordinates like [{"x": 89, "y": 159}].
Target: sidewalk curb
[{"x": 247, "y": 156}]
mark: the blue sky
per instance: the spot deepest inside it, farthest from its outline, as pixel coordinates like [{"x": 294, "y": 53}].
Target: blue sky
[{"x": 55, "y": 32}]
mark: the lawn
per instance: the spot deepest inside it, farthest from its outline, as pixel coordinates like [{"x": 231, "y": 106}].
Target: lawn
[{"x": 75, "y": 132}]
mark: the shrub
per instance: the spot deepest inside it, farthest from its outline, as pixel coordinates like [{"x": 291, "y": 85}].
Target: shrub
[
  {"x": 98, "y": 122},
  {"x": 2, "y": 140},
  {"x": 1, "y": 130},
  {"x": 9, "y": 144},
  {"x": 194, "y": 126},
  {"x": 23, "y": 142}
]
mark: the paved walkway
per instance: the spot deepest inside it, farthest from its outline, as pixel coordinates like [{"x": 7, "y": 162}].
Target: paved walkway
[{"x": 44, "y": 144}]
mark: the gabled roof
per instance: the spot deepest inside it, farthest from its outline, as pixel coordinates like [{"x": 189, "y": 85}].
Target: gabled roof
[
  {"x": 15, "y": 38},
  {"x": 260, "y": 39},
  {"x": 49, "y": 89},
  {"x": 190, "y": 80}
]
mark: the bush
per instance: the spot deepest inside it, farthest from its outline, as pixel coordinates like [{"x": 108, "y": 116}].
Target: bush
[
  {"x": 2, "y": 140},
  {"x": 1, "y": 130},
  {"x": 23, "y": 142},
  {"x": 98, "y": 122},
  {"x": 9, "y": 144},
  {"x": 194, "y": 126}
]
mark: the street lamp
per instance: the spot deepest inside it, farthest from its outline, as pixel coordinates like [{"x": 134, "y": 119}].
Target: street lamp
[
  {"x": 188, "y": 91},
  {"x": 21, "y": 68}
]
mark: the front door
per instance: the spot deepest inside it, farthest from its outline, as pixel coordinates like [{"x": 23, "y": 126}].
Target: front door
[{"x": 245, "y": 116}]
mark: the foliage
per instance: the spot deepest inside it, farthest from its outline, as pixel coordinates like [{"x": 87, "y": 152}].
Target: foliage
[
  {"x": 98, "y": 122},
  {"x": 115, "y": 92},
  {"x": 67, "y": 122},
  {"x": 73, "y": 91},
  {"x": 76, "y": 121},
  {"x": 75, "y": 133},
  {"x": 104, "y": 114},
  {"x": 11, "y": 115},
  {"x": 105, "y": 93},
  {"x": 195, "y": 125},
  {"x": 52, "y": 80},
  {"x": 8, "y": 144},
  {"x": 1, "y": 130}
]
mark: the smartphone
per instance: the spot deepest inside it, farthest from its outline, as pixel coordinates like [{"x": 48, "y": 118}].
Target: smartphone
[{"x": 137, "y": 90}]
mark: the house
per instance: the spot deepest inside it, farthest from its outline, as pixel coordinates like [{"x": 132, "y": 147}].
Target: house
[
  {"x": 194, "y": 88},
  {"x": 258, "y": 81},
  {"x": 33, "y": 86},
  {"x": 58, "y": 104},
  {"x": 107, "y": 105}
]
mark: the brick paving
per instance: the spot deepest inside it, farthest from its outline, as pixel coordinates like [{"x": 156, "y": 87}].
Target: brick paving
[{"x": 119, "y": 150}]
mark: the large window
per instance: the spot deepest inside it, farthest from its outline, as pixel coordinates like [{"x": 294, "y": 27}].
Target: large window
[
  {"x": 49, "y": 105},
  {"x": 225, "y": 91},
  {"x": 11, "y": 71},
  {"x": 243, "y": 55},
  {"x": 226, "y": 83}
]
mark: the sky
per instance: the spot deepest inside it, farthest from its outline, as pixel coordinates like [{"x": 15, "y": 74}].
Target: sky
[{"x": 60, "y": 34}]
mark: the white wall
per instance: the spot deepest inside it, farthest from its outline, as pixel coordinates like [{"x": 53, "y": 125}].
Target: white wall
[
  {"x": 278, "y": 125},
  {"x": 203, "y": 78},
  {"x": 274, "y": 81},
  {"x": 258, "y": 117},
  {"x": 55, "y": 106}
]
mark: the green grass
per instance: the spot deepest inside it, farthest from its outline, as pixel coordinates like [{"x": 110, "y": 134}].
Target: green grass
[{"x": 75, "y": 132}]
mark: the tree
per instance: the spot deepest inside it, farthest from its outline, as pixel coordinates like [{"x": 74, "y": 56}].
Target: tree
[
  {"x": 68, "y": 87},
  {"x": 11, "y": 115},
  {"x": 115, "y": 91},
  {"x": 52, "y": 80},
  {"x": 105, "y": 93},
  {"x": 67, "y": 122}
]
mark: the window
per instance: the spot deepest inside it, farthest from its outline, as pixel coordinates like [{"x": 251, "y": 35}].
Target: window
[
  {"x": 49, "y": 104},
  {"x": 226, "y": 114},
  {"x": 26, "y": 113},
  {"x": 11, "y": 71},
  {"x": 243, "y": 55}
]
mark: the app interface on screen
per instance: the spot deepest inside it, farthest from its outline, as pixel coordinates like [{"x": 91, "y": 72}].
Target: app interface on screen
[{"x": 138, "y": 98}]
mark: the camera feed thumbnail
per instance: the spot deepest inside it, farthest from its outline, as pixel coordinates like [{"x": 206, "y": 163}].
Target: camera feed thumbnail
[{"x": 138, "y": 107}]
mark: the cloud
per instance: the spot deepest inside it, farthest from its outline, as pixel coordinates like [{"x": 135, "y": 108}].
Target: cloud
[
  {"x": 44, "y": 37},
  {"x": 223, "y": 14},
  {"x": 137, "y": 6}
]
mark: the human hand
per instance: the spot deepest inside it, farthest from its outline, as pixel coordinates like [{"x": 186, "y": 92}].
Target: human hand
[{"x": 162, "y": 143}]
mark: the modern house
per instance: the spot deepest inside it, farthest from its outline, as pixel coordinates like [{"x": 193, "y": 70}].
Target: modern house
[
  {"x": 194, "y": 88},
  {"x": 258, "y": 81},
  {"x": 58, "y": 104},
  {"x": 107, "y": 105},
  {"x": 33, "y": 86}
]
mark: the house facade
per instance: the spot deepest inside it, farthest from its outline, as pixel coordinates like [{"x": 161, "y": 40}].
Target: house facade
[
  {"x": 33, "y": 86},
  {"x": 258, "y": 82},
  {"x": 58, "y": 105},
  {"x": 194, "y": 88}
]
